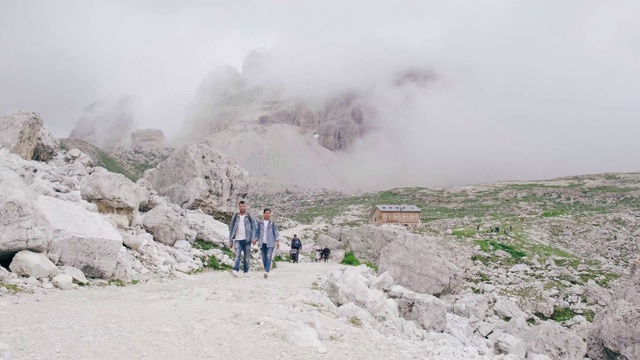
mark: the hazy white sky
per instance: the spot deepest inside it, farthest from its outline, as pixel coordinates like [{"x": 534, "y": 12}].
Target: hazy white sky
[{"x": 525, "y": 88}]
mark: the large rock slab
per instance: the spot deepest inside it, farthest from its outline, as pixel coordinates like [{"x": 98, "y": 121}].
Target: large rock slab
[
  {"x": 331, "y": 243},
  {"x": 38, "y": 265},
  {"x": 429, "y": 312},
  {"x": 198, "y": 177},
  {"x": 367, "y": 241},
  {"x": 207, "y": 228},
  {"x": 615, "y": 332},
  {"x": 19, "y": 132},
  {"x": 82, "y": 239},
  {"x": 553, "y": 340},
  {"x": 114, "y": 194},
  {"x": 165, "y": 224},
  {"x": 22, "y": 227},
  {"x": 418, "y": 264}
]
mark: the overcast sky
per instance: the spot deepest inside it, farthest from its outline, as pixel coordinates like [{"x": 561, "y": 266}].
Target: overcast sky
[{"x": 525, "y": 89}]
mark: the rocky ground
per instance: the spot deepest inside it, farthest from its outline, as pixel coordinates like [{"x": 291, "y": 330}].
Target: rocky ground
[
  {"x": 209, "y": 316},
  {"x": 521, "y": 270}
]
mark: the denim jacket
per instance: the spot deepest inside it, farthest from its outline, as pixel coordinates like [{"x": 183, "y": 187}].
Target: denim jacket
[
  {"x": 272, "y": 234},
  {"x": 249, "y": 227}
]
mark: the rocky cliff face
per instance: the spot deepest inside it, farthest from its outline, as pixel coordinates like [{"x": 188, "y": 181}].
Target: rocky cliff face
[
  {"x": 228, "y": 97},
  {"x": 147, "y": 139},
  {"x": 106, "y": 123}
]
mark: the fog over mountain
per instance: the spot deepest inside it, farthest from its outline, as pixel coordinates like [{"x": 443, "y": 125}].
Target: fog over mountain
[{"x": 464, "y": 91}]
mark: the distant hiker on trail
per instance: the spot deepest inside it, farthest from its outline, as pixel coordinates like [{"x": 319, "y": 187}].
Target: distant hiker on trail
[
  {"x": 268, "y": 239},
  {"x": 318, "y": 255},
  {"x": 296, "y": 245},
  {"x": 242, "y": 232},
  {"x": 325, "y": 254}
]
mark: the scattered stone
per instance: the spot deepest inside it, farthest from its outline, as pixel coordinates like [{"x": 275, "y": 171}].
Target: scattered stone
[
  {"x": 509, "y": 344},
  {"x": 62, "y": 282},
  {"x": 76, "y": 274},
  {"x": 38, "y": 265}
]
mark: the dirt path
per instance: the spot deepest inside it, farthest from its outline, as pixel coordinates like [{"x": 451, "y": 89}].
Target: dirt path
[{"x": 206, "y": 316}]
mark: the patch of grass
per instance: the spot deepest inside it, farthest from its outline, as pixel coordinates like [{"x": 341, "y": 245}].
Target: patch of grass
[
  {"x": 355, "y": 321},
  {"x": 350, "y": 259},
  {"x": 116, "y": 282},
  {"x": 213, "y": 264},
  {"x": 464, "y": 233},
  {"x": 111, "y": 164},
  {"x": 602, "y": 278},
  {"x": 135, "y": 282},
  {"x": 372, "y": 266},
  {"x": 589, "y": 315},
  {"x": 486, "y": 245},
  {"x": 84, "y": 284},
  {"x": 559, "y": 315},
  {"x": 553, "y": 213},
  {"x": 278, "y": 258},
  {"x": 205, "y": 245},
  {"x": 11, "y": 287}
]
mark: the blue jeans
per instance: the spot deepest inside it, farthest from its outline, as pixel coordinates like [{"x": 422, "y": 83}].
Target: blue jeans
[
  {"x": 267, "y": 255},
  {"x": 240, "y": 246}
]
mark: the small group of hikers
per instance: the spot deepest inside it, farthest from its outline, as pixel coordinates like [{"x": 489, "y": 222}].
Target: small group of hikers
[
  {"x": 245, "y": 231},
  {"x": 323, "y": 254}
]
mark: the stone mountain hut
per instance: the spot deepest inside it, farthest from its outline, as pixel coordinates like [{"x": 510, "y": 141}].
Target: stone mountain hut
[{"x": 408, "y": 215}]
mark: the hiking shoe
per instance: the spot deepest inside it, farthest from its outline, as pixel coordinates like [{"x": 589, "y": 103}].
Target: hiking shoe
[
  {"x": 266, "y": 275},
  {"x": 234, "y": 273},
  {"x": 246, "y": 274}
]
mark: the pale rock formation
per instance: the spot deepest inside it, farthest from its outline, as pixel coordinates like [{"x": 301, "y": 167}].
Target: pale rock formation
[
  {"x": 37, "y": 265},
  {"x": 106, "y": 123},
  {"x": 198, "y": 177},
  {"x": 82, "y": 239}
]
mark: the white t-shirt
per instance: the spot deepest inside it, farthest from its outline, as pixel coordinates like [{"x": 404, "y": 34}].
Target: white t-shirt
[
  {"x": 240, "y": 231},
  {"x": 264, "y": 236}
]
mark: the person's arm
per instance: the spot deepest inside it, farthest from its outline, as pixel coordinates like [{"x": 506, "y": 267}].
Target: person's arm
[
  {"x": 277, "y": 235},
  {"x": 254, "y": 227},
  {"x": 233, "y": 219}
]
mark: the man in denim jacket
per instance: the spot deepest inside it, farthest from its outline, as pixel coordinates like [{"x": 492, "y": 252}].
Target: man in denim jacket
[
  {"x": 242, "y": 231},
  {"x": 268, "y": 239}
]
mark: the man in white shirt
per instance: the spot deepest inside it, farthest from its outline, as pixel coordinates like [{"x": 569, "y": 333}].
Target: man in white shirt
[{"x": 242, "y": 231}]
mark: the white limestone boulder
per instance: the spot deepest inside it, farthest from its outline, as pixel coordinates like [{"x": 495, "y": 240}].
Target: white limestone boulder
[
  {"x": 114, "y": 194},
  {"x": 82, "y": 239},
  {"x": 206, "y": 227},
  {"x": 165, "y": 224},
  {"x": 37, "y": 265},
  {"x": 197, "y": 176},
  {"x": 22, "y": 226},
  {"x": 420, "y": 265}
]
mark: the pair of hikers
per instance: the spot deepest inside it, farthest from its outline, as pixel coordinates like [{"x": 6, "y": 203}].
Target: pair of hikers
[{"x": 245, "y": 231}]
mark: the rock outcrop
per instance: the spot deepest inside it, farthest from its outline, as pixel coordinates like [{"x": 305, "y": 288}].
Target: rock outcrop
[
  {"x": 82, "y": 239},
  {"x": 22, "y": 227},
  {"x": 165, "y": 224},
  {"x": 198, "y": 177},
  {"x": 147, "y": 139},
  {"x": 227, "y": 97},
  {"x": 106, "y": 123},
  {"x": 421, "y": 266},
  {"x": 23, "y": 134},
  {"x": 615, "y": 333},
  {"x": 367, "y": 241},
  {"x": 114, "y": 195},
  {"x": 37, "y": 265}
]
